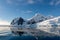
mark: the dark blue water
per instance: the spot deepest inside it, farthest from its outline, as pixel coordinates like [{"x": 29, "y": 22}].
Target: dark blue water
[
  {"x": 28, "y": 38},
  {"x": 23, "y": 38},
  {"x": 33, "y": 38}
]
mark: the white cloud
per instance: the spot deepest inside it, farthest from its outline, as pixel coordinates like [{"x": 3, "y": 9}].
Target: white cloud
[
  {"x": 58, "y": 2},
  {"x": 30, "y": 1},
  {"x": 55, "y": 2},
  {"x": 16, "y": 2},
  {"x": 41, "y": 1},
  {"x": 9, "y": 1},
  {"x": 52, "y": 3},
  {"x": 35, "y": 1},
  {"x": 26, "y": 2},
  {"x": 3, "y": 22},
  {"x": 23, "y": 2},
  {"x": 29, "y": 11}
]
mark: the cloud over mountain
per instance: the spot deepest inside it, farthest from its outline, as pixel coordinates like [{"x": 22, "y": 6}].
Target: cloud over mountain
[{"x": 26, "y": 2}]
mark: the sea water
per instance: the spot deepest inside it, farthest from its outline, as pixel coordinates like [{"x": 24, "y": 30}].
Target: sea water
[{"x": 5, "y": 34}]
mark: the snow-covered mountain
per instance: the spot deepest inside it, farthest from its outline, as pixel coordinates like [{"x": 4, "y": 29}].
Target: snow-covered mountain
[
  {"x": 29, "y": 22},
  {"x": 50, "y": 17},
  {"x": 48, "y": 24},
  {"x": 37, "y": 18},
  {"x": 51, "y": 25},
  {"x": 18, "y": 21}
]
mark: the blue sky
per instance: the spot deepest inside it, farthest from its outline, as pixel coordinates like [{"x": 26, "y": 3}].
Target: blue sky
[{"x": 10, "y": 9}]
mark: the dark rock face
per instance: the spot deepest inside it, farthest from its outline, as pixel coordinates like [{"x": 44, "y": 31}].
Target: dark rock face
[
  {"x": 23, "y": 38},
  {"x": 20, "y": 21},
  {"x": 12, "y": 22},
  {"x": 31, "y": 21}
]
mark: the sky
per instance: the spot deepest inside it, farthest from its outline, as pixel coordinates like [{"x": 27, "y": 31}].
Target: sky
[{"x": 10, "y": 9}]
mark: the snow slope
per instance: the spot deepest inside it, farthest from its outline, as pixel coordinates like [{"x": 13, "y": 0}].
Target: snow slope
[
  {"x": 38, "y": 18},
  {"x": 51, "y": 25}
]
